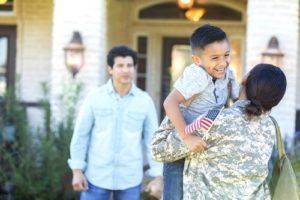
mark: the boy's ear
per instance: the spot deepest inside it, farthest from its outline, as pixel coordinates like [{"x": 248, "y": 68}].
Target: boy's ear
[{"x": 197, "y": 60}]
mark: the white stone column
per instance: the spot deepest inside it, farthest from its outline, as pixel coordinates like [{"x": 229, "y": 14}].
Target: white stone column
[
  {"x": 279, "y": 18},
  {"x": 89, "y": 18}
]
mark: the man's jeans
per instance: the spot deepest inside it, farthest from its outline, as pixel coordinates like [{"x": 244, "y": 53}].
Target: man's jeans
[
  {"x": 97, "y": 193},
  {"x": 173, "y": 180}
]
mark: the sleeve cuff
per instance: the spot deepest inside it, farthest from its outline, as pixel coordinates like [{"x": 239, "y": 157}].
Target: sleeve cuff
[
  {"x": 77, "y": 164},
  {"x": 157, "y": 171}
]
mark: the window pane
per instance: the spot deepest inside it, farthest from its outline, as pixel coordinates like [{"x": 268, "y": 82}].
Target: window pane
[
  {"x": 141, "y": 65},
  {"x": 3, "y": 64},
  {"x": 2, "y": 85},
  {"x": 142, "y": 42},
  {"x": 8, "y": 6},
  {"x": 3, "y": 52},
  {"x": 181, "y": 57},
  {"x": 142, "y": 45},
  {"x": 170, "y": 10},
  {"x": 141, "y": 83}
]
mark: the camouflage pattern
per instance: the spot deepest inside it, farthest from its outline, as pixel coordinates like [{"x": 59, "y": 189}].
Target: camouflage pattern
[
  {"x": 167, "y": 145},
  {"x": 235, "y": 164}
]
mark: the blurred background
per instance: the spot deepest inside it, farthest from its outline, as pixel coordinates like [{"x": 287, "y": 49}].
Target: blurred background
[{"x": 52, "y": 52}]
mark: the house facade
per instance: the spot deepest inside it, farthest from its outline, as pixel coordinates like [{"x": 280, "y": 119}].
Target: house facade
[{"x": 33, "y": 34}]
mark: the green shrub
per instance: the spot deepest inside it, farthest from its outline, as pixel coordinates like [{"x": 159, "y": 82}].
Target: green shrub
[{"x": 36, "y": 162}]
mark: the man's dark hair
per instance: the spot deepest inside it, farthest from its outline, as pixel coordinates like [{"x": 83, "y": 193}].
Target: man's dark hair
[
  {"x": 265, "y": 86},
  {"x": 122, "y": 51},
  {"x": 205, "y": 35}
]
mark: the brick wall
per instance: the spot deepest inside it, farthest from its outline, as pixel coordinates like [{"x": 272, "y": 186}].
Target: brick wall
[{"x": 280, "y": 18}]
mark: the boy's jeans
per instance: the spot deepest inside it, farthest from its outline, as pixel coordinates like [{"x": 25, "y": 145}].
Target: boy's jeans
[
  {"x": 173, "y": 180},
  {"x": 97, "y": 193}
]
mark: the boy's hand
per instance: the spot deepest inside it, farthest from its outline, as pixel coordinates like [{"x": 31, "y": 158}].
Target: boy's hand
[
  {"x": 79, "y": 181},
  {"x": 194, "y": 143}
]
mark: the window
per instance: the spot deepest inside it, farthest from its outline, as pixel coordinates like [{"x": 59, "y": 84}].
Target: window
[
  {"x": 142, "y": 62},
  {"x": 170, "y": 10},
  {"x": 7, "y": 7},
  {"x": 3, "y": 63},
  {"x": 7, "y": 57},
  {"x": 298, "y": 120}
]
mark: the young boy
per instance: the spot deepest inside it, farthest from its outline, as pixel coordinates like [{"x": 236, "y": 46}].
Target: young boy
[{"x": 205, "y": 85}]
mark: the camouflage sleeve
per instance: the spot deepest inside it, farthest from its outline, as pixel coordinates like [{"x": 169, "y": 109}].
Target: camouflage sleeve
[{"x": 166, "y": 145}]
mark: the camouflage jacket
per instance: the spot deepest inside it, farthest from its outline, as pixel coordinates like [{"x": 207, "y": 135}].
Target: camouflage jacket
[{"x": 235, "y": 163}]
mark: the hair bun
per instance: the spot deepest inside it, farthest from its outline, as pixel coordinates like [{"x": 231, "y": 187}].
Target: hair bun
[{"x": 254, "y": 107}]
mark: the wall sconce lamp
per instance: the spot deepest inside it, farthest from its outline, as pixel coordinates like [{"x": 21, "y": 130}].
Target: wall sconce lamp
[
  {"x": 273, "y": 55},
  {"x": 74, "y": 54},
  {"x": 191, "y": 13},
  {"x": 185, "y": 4}
]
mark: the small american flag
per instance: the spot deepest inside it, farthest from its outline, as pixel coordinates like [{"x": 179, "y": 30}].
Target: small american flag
[
  {"x": 204, "y": 122},
  {"x": 207, "y": 121}
]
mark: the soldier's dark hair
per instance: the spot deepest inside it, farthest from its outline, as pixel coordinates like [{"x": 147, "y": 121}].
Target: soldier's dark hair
[
  {"x": 265, "y": 86},
  {"x": 122, "y": 51},
  {"x": 205, "y": 35}
]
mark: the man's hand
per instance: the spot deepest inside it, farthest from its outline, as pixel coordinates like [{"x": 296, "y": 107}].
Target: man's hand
[
  {"x": 79, "y": 182},
  {"x": 194, "y": 143},
  {"x": 155, "y": 187}
]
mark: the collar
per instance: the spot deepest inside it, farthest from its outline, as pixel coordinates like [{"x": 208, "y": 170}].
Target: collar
[
  {"x": 242, "y": 103},
  {"x": 111, "y": 90}
]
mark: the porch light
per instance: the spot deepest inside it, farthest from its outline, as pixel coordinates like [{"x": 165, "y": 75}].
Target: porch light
[
  {"x": 185, "y": 4},
  {"x": 74, "y": 54},
  {"x": 273, "y": 55},
  {"x": 3, "y": 2},
  {"x": 194, "y": 14}
]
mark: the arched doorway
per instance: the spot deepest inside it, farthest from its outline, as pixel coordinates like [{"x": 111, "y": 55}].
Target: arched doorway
[{"x": 150, "y": 23}]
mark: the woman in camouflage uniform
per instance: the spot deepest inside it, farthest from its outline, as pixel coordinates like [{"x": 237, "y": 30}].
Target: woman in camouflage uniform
[{"x": 239, "y": 143}]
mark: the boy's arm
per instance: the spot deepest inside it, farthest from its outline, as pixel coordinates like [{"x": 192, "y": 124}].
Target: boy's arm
[
  {"x": 171, "y": 105},
  {"x": 166, "y": 144}
]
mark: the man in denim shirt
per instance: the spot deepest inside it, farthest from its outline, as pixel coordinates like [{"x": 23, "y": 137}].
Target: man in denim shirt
[{"x": 106, "y": 147}]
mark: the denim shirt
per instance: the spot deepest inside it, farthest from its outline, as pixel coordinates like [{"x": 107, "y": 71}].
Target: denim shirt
[{"x": 108, "y": 137}]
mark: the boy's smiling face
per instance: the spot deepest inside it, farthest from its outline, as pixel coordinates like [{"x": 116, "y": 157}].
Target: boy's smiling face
[{"x": 214, "y": 58}]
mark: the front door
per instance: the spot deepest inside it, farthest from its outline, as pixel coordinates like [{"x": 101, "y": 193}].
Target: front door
[{"x": 176, "y": 56}]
